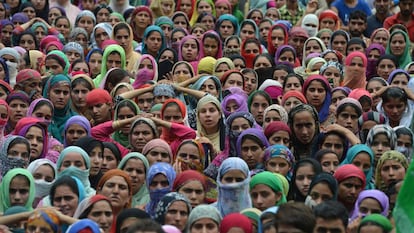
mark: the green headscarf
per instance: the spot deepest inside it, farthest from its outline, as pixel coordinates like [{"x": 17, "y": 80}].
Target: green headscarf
[
  {"x": 118, "y": 135},
  {"x": 142, "y": 196},
  {"x": 62, "y": 57},
  {"x": 388, "y": 155},
  {"x": 269, "y": 179},
  {"x": 353, "y": 152},
  {"x": 379, "y": 220},
  {"x": 405, "y": 58},
  {"x": 119, "y": 16},
  {"x": 108, "y": 50},
  {"x": 5, "y": 188}
]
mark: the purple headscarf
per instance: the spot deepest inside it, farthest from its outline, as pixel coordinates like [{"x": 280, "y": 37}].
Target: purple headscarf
[
  {"x": 395, "y": 73},
  {"x": 282, "y": 49},
  {"x": 372, "y": 63},
  {"x": 194, "y": 63},
  {"x": 34, "y": 104},
  {"x": 258, "y": 133},
  {"x": 20, "y": 17},
  {"x": 237, "y": 95},
  {"x": 345, "y": 90},
  {"x": 80, "y": 120},
  {"x": 374, "y": 194}
]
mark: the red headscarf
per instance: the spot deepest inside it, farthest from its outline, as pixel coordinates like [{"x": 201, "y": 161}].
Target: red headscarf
[
  {"x": 236, "y": 220},
  {"x": 187, "y": 176},
  {"x": 270, "y": 47},
  {"x": 355, "y": 82},
  {"x": 347, "y": 171},
  {"x": 331, "y": 15},
  {"x": 296, "y": 94},
  {"x": 276, "y": 126},
  {"x": 134, "y": 14}
]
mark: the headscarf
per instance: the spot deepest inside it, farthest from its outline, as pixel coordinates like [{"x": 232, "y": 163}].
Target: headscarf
[
  {"x": 382, "y": 129},
  {"x": 270, "y": 47},
  {"x": 108, "y": 50},
  {"x": 118, "y": 135},
  {"x": 236, "y": 220},
  {"x": 61, "y": 58},
  {"x": 253, "y": 24},
  {"x": 379, "y": 196},
  {"x": 84, "y": 226},
  {"x": 5, "y": 188},
  {"x": 6, "y": 71},
  {"x": 87, "y": 203},
  {"x": 117, "y": 172},
  {"x": 378, "y": 220},
  {"x": 188, "y": 176},
  {"x": 215, "y": 34},
  {"x": 106, "y": 27},
  {"x": 323, "y": 114},
  {"x": 319, "y": 41},
  {"x": 405, "y": 58},
  {"x": 353, "y": 152},
  {"x": 331, "y": 15},
  {"x": 355, "y": 82},
  {"x": 227, "y": 17},
  {"x": 48, "y": 217},
  {"x": 23, "y": 126},
  {"x": 156, "y": 195},
  {"x": 60, "y": 116},
  {"x": 79, "y": 120},
  {"x": 42, "y": 186},
  {"x": 8, "y": 163},
  {"x": 147, "y": 32},
  {"x": 388, "y": 155},
  {"x": 166, "y": 202},
  {"x": 276, "y": 126},
  {"x": 144, "y": 75},
  {"x": 158, "y": 143},
  {"x": 348, "y": 171},
  {"x": 279, "y": 109},
  {"x": 258, "y": 134},
  {"x": 203, "y": 211},
  {"x": 36, "y": 60},
  {"x": 270, "y": 180},
  {"x": 294, "y": 93},
  {"x": 142, "y": 196},
  {"x": 195, "y": 62},
  {"x": 233, "y": 197},
  {"x": 372, "y": 63},
  {"x": 282, "y": 49},
  {"x": 280, "y": 151},
  {"x": 327, "y": 178},
  {"x": 397, "y": 72},
  {"x": 82, "y": 175},
  {"x": 199, "y": 83},
  {"x": 195, "y": 14},
  {"x": 237, "y": 95},
  {"x": 338, "y": 33},
  {"x": 310, "y": 19}
]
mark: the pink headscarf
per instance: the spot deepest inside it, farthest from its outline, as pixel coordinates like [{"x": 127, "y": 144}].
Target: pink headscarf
[{"x": 359, "y": 81}]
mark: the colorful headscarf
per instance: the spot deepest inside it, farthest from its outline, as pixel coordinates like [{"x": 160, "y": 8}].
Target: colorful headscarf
[
  {"x": 347, "y": 171},
  {"x": 236, "y": 220},
  {"x": 379, "y": 220},
  {"x": 108, "y": 50},
  {"x": 79, "y": 120},
  {"x": 166, "y": 202},
  {"x": 379, "y": 196},
  {"x": 87, "y": 203},
  {"x": 49, "y": 217},
  {"x": 272, "y": 181},
  {"x": 5, "y": 188},
  {"x": 23, "y": 126},
  {"x": 84, "y": 226},
  {"x": 324, "y": 112},
  {"x": 382, "y": 129},
  {"x": 7, "y": 163},
  {"x": 353, "y": 152},
  {"x": 355, "y": 82},
  {"x": 116, "y": 172},
  {"x": 280, "y": 151},
  {"x": 388, "y": 155},
  {"x": 118, "y": 135},
  {"x": 147, "y": 32}
]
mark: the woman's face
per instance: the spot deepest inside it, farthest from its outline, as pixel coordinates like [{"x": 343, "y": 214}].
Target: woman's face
[
  {"x": 273, "y": 13},
  {"x": 181, "y": 73},
  {"x": 78, "y": 95},
  {"x": 400, "y": 80},
  {"x": 263, "y": 197},
  {"x": 81, "y": 66},
  {"x": 250, "y": 81},
  {"x": 19, "y": 190},
  {"x": 72, "y": 159},
  {"x": 141, "y": 134},
  {"x": 117, "y": 190},
  {"x": 334, "y": 142},
  {"x": 331, "y": 56},
  {"x": 328, "y": 23},
  {"x": 100, "y": 36},
  {"x": 234, "y": 80},
  {"x": 113, "y": 19},
  {"x": 356, "y": 68},
  {"x": 247, "y": 31},
  {"x": 391, "y": 171},
  {"x": 336, "y": 97},
  {"x": 397, "y": 45},
  {"x": 136, "y": 171},
  {"x": 221, "y": 9},
  {"x": 159, "y": 181},
  {"x": 290, "y": 103},
  {"x": 381, "y": 38},
  {"x": 53, "y": 14},
  {"x": 44, "y": 172},
  {"x": 95, "y": 63},
  {"x": 348, "y": 118},
  {"x": 206, "y": 225},
  {"x": 180, "y": 22},
  {"x": 374, "y": 54},
  {"x": 96, "y": 156},
  {"x": 278, "y": 37},
  {"x": 362, "y": 161},
  {"x": 125, "y": 113},
  {"x": 264, "y": 28},
  {"x": 43, "y": 112},
  {"x": 166, "y": 55},
  {"x": 109, "y": 161},
  {"x": 312, "y": 47},
  {"x": 385, "y": 67},
  {"x": 158, "y": 154},
  {"x": 252, "y": 153},
  {"x": 304, "y": 127},
  {"x": 40, "y": 33},
  {"x": 189, "y": 50},
  {"x": 339, "y": 43},
  {"x": 101, "y": 213},
  {"x": 355, "y": 47},
  {"x": 86, "y": 23},
  {"x": 189, "y": 153},
  {"x": 333, "y": 75},
  {"x": 208, "y": 22},
  {"x": 102, "y": 16},
  {"x": 257, "y": 107},
  {"x": 6, "y": 33},
  {"x": 2, "y": 11},
  {"x": 203, "y": 6},
  {"x": 379, "y": 145},
  {"x": 73, "y": 133},
  {"x": 65, "y": 200},
  {"x": 261, "y": 62},
  {"x": 316, "y": 94},
  {"x": 271, "y": 116},
  {"x": 209, "y": 117},
  {"x": 185, "y": 6},
  {"x": 304, "y": 176},
  {"x": 173, "y": 114},
  {"x": 256, "y": 16},
  {"x": 210, "y": 87},
  {"x": 394, "y": 109},
  {"x": 59, "y": 95},
  {"x": 142, "y": 20},
  {"x": 18, "y": 110},
  {"x": 321, "y": 192},
  {"x": 154, "y": 42},
  {"x": 329, "y": 163},
  {"x": 233, "y": 176},
  {"x": 30, "y": 12},
  {"x": 27, "y": 42},
  {"x": 177, "y": 37},
  {"x": 177, "y": 215},
  {"x": 278, "y": 165},
  {"x": 226, "y": 29},
  {"x": 280, "y": 137},
  {"x": 194, "y": 191},
  {"x": 287, "y": 56},
  {"x": 35, "y": 137},
  {"x": 210, "y": 47},
  {"x": 292, "y": 84}
]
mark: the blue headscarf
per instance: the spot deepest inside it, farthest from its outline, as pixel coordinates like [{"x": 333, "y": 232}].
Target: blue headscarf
[
  {"x": 353, "y": 152},
  {"x": 230, "y": 18},
  {"x": 147, "y": 32},
  {"x": 323, "y": 113},
  {"x": 84, "y": 224}
]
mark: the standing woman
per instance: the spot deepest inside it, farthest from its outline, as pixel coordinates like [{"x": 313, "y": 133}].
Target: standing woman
[
  {"x": 399, "y": 46},
  {"x": 395, "y": 107},
  {"x": 355, "y": 70},
  {"x": 141, "y": 18},
  {"x": 57, "y": 89},
  {"x": 123, "y": 34}
]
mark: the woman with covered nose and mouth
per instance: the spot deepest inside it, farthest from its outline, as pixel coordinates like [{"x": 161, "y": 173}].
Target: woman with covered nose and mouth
[{"x": 355, "y": 70}]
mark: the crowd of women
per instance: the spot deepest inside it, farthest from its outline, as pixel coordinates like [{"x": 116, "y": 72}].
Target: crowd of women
[{"x": 124, "y": 116}]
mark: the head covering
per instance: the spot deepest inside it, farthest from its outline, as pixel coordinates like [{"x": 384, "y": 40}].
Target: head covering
[
  {"x": 272, "y": 87},
  {"x": 118, "y": 135},
  {"x": 106, "y": 27},
  {"x": 73, "y": 46},
  {"x": 405, "y": 58},
  {"x": 147, "y": 32},
  {"x": 354, "y": 151},
  {"x": 237, "y": 95},
  {"x": 382, "y": 129},
  {"x": 257, "y": 133},
  {"x": 188, "y": 176},
  {"x": 331, "y": 15},
  {"x": 324, "y": 112},
  {"x": 87, "y": 203},
  {"x": 61, "y": 58},
  {"x": 5, "y": 188},
  {"x": 329, "y": 180},
  {"x": 84, "y": 226},
  {"x": 20, "y": 18},
  {"x": 319, "y": 41},
  {"x": 164, "y": 90},
  {"x": 355, "y": 82},
  {"x": 371, "y": 116},
  {"x": 276, "y": 126},
  {"x": 377, "y": 219},
  {"x": 42, "y": 186},
  {"x": 310, "y": 19},
  {"x": 398, "y": 72},
  {"x": 372, "y": 63},
  {"x": 27, "y": 74},
  {"x": 236, "y": 220},
  {"x": 271, "y": 48},
  {"x": 156, "y": 195},
  {"x": 48, "y": 217},
  {"x": 116, "y": 172},
  {"x": 203, "y": 211},
  {"x": 8, "y": 163},
  {"x": 145, "y": 75},
  {"x": 113, "y": 48},
  {"x": 79, "y": 120},
  {"x": 158, "y": 143},
  {"x": 34, "y": 103},
  {"x": 297, "y": 31},
  {"x": 272, "y": 181},
  {"x": 279, "y": 109},
  {"x": 86, "y": 13},
  {"x": 233, "y": 197},
  {"x": 350, "y": 101},
  {"x": 98, "y": 96},
  {"x": 166, "y": 202},
  {"x": 206, "y": 65},
  {"x": 23, "y": 126},
  {"x": 388, "y": 155},
  {"x": 280, "y": 151},
  {"x": 348, "y": 171},
  {"x": 379, "y": 196}
]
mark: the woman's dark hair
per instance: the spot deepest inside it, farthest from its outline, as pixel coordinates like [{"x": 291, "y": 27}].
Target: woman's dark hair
[
  {"x": 26, "y": 5},
  {"x": 355, "y": 40},
  {"x": 88, "y": 210},
  {"x": 404, "y": 131},
  {"x": 249, "y": 15},
  {"x": 100, "y": 7},
  {"x": 260, "y": 93},
  {"x": 81, "y": 81},
  {"x": 62, "y": 17},
  {"x": 80, "y": 60},
  {"x": 253, "y": 138},
  {"x": 322, "y": 152},
  {"x": 378, "y": 79},
  {"x": 394, "y": 93},
  {"x": 398, "y": 27},
  {"x": 115, "y": 77},
  {"x": 19, "y": 140},
  {"x": 114, "y": 149},
  {"x": 204, "y": 14},
  {"x": 128, "y": 13},
  {"x": 88, "y": 143},
  {"x": 294, "y": 193},
  {"x": 343, "y": 140},
  {"x": 43, "y": 103},
  {"x": 253, "y": 41},
  {"x": 140, "y": 122},
  {"x": 119, "y": 26},
  {"x": 175, "y": 58},
  {"x": 189, "y": 67},
  {"x": 63, "y": 181},
  {"x": 237, "y": 56},
  {"x": 128, "y": 104},
  {"x": 293, "y": 75},
  {"x": 145, "y": 225},
  {"x": 212, "y": 36},
  {"x": 175, "y": 30},
  {"x": 265, "y": 55},
  {"x": 388, "y": 57},
  {"x": 17, "y": 39}
]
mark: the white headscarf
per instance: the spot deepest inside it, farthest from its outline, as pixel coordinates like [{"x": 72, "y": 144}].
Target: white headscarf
[{"x": 313, "y": 20}]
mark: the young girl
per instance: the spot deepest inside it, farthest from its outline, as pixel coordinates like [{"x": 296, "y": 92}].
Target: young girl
[
  {"x": 392, "y": 166},
  {"x": 251, "y": 145},
  {"x": 279, "y": 159},
  {"x": 303, "y": 174}
]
